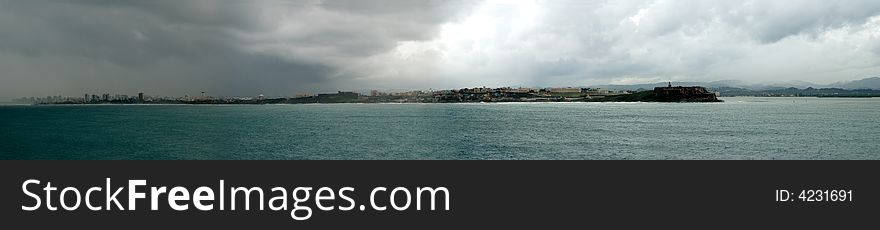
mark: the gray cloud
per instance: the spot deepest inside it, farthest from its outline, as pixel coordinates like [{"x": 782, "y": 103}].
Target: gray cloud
[
  {"x": 636, "y": 40},
  {"x": 178, "y": 47},
  {"x": 283, "y": 47}
]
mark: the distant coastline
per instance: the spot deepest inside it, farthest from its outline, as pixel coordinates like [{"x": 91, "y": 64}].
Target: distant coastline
[
  {"x": 465, "y": 95},
  {"x": 864, "y": 88}
]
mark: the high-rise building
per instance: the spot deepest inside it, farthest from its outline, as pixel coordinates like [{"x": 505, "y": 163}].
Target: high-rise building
[{"x": 140, "y": 96}]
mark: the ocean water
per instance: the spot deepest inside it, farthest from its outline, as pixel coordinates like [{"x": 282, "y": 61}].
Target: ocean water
[{"x": 740, "y": 128}]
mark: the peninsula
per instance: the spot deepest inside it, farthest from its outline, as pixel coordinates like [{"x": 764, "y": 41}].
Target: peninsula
[{"x": 465, "y": 95}]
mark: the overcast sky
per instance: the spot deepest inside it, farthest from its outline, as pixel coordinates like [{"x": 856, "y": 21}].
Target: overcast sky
[{"x": 280, "y": 48}]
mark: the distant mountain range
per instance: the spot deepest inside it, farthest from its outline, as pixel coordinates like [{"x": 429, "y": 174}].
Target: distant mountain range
[{"x": 867, "y": 83}]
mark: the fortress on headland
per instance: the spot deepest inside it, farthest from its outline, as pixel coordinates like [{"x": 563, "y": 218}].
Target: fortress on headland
[{"x": 683, "y": 93}]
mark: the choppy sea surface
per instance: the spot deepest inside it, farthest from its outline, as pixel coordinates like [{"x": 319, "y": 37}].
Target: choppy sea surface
[{"x": 739, "y": 128}]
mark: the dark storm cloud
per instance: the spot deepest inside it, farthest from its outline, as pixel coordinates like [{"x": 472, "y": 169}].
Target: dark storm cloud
[
  {"x": 228, "y": 47},
  {"x": 126, "y": 34}
]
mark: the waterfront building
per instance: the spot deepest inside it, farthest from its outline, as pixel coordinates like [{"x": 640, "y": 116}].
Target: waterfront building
[
  {"x": 685, "y": 92},
  {"x": 565, "y": 92},
  {"x": 681, "y": 90}
]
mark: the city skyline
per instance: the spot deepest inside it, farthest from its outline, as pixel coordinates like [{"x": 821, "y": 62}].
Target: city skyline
[
  {"x": 283, "y": 47},
  {"x": 872, "y": 83}
]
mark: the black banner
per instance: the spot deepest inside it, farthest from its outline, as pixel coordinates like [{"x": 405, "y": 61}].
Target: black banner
[{"x": 481, "y": 194}]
